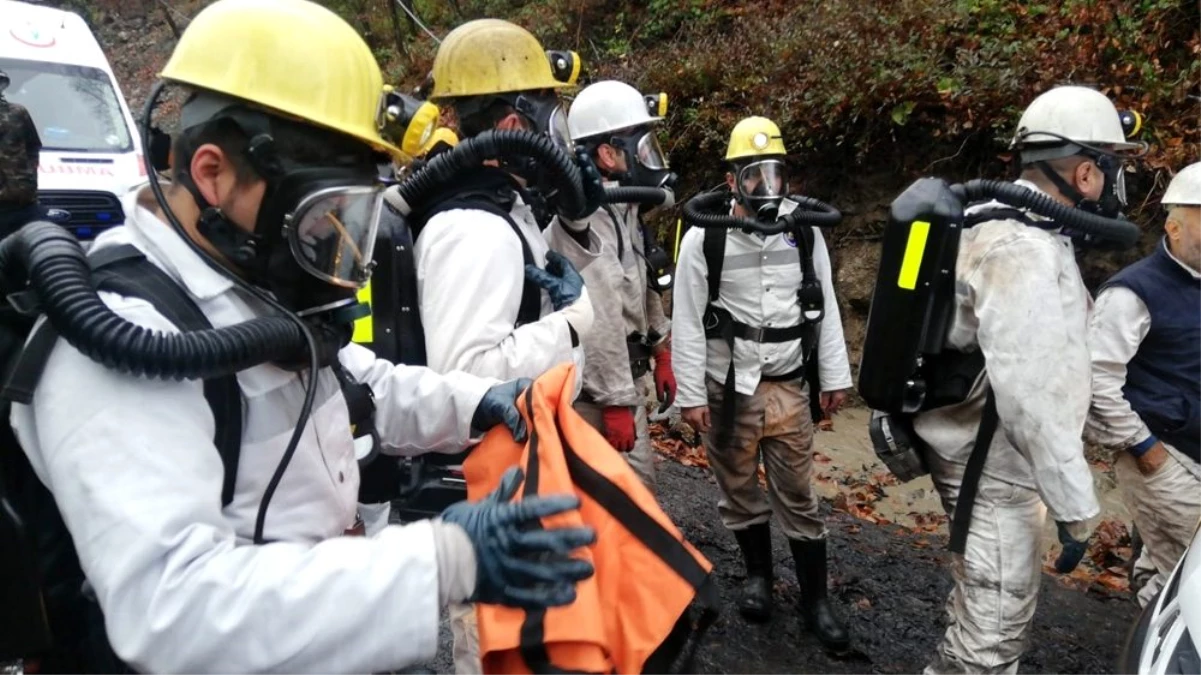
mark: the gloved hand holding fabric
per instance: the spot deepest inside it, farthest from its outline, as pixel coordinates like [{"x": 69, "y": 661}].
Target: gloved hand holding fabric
[
  {"x": 619, "y": 427},
  {"x": 1074, "y": 538},
  {"x": 518, "y": 566},
  {"x": 560, "y": 279},
  {"x": 499, "y": 406},
  {"x": 665, "y": 379}
]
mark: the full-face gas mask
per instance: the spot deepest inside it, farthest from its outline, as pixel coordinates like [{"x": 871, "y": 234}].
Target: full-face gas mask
[
  {"x": 646, "y": 163},
  {"x": 547, "y": 113},
  {"x": 314, "y": 236},
  {"x": 1113, "y": 192},
  {"x": 760, "y": 187}
]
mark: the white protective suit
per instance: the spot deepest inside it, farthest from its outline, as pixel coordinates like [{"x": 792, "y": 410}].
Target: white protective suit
[
  {"x": 470, "y": 276},
  {"x": 762, "y": 276},
  {"x": 1166, "y": 504},
  {"x": 133, "y": 468},
  {"x": 469, "y": 280},
  {"x": 1020, "y": 299},
  {"x": 760, "y": 279},
  {"x": 614, "y": 268}
]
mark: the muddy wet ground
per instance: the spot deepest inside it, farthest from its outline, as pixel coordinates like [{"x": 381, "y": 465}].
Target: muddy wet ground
[{"x": 889, "y": 582}]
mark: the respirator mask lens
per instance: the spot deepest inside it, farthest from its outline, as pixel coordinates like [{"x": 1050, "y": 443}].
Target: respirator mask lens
[
  {"x": 556, "y": 128},
  {"x": 548, "y": 117},
  {"x": 763, "y": 180},
  {"x": 649, "y": 154},
  {"x": 332, "y": 233}
]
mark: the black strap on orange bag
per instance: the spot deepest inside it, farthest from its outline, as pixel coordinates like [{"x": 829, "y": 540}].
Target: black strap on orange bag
[{"x": 677, "y": 653}]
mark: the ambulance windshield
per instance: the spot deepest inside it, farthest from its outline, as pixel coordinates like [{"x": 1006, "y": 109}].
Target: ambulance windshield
[{"x": 74, "y": 108}]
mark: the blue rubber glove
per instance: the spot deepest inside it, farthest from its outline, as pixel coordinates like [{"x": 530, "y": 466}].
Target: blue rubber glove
[
  {"x": 560, "y": 279},
  {"x": 1073, "y": 549},
  {"x": 519, "y": 564},
  {"x": 499, "y": 406}
]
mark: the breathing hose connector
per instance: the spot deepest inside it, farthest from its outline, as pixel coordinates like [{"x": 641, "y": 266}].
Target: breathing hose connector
[
  {"x": 1121, "y": 233},
  {"x": 50, "y": 260},
  {"x": 441, "y": 172},
  {"x": 810, "y": 212},
  {"x": 650, "y": 196}
]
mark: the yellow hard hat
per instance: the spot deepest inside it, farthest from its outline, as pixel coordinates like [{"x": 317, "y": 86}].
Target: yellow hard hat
[
  {"x": 290, "y": 56},
  {"x": 441, "y": 135},
  {"x": 755, "y": 137},
  {"x": 491, "y": 56}
]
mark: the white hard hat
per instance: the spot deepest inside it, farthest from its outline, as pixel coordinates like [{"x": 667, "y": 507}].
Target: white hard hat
[
  {"x": 1185, "y": 188},
  {"x": 1084, "y": 116},
  {"x": 605, "y": 107}
]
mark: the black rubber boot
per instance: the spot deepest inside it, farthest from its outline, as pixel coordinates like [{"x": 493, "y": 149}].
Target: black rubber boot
[
  {"x": 754, "y": 602},
  {"x": 809, "y": 555}
]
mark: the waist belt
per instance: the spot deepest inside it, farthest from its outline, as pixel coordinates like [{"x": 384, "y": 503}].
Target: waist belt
[
  {"x": 791, "y": 375},
  {"x": 720, "y": 325}
]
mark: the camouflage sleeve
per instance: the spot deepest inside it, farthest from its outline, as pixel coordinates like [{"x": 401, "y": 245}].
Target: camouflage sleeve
[{"x": 33, "y": 142}]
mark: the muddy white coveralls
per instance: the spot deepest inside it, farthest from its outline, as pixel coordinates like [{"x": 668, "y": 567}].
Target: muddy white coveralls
[
  {"x": 760, "y": 278},
  {"x": 1020, "y": 300},
  {"x": 625, "y": 308}
]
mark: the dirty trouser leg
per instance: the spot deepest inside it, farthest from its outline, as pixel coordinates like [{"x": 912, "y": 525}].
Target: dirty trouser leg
[
  {"x": 736, "y": 465},
  {"x": 787, "y": 446},
  {"x": 466, "y": 633},
  {"x": 1166, "y": 506},
  {"x": 642, "y": 458},
  {"x": 1145, "y": 580},
  {"x": 997, "y": 578}
]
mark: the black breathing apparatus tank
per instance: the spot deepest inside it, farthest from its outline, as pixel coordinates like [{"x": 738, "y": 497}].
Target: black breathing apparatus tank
[
  {"x": 911, "y": 306},
  {"x": 915, "y": 287}
]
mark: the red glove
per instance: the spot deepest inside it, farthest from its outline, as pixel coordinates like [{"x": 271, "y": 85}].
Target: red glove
[
  {"x": 665, "y": 380},
  {"x": 619, "y": 427}
]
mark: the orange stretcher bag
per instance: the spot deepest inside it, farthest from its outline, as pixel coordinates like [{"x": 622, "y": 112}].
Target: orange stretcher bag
[{"x": 636, "y": 614}]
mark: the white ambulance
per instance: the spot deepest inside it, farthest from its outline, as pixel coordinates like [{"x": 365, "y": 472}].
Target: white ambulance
[{"x": 91, "y": 151}]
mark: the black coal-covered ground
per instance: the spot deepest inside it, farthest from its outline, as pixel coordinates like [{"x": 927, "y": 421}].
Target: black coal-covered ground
[{"x": 889, "y": 584}]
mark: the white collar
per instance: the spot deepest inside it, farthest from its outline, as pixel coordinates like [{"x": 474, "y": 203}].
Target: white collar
[
  {"x": 175, "y": 255},
  {"x": 1168, "y": 249}
]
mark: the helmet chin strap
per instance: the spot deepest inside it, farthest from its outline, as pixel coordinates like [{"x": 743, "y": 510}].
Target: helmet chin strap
[
  {"x": 1065, "y": 188},
  {"x": 234, "y": 243}
]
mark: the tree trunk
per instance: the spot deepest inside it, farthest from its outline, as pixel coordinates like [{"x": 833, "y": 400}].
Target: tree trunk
[{"x": 401, "y": 48}]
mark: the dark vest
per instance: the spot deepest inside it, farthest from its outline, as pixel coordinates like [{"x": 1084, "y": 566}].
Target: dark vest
[{"x": 1163, "y": 380}]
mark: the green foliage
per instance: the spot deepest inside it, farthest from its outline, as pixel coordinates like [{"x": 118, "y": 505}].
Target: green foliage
[{"x": 901, "y": 85}]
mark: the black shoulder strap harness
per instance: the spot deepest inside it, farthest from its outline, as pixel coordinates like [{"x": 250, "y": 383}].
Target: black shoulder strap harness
[
  {"x": 961, "y": 520},
  {"x": 961, "y": 371},
  {"x": 125, "y": 271},
  {"x": 492, "y": 190},
  {"x": 719, "y": 324}
]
